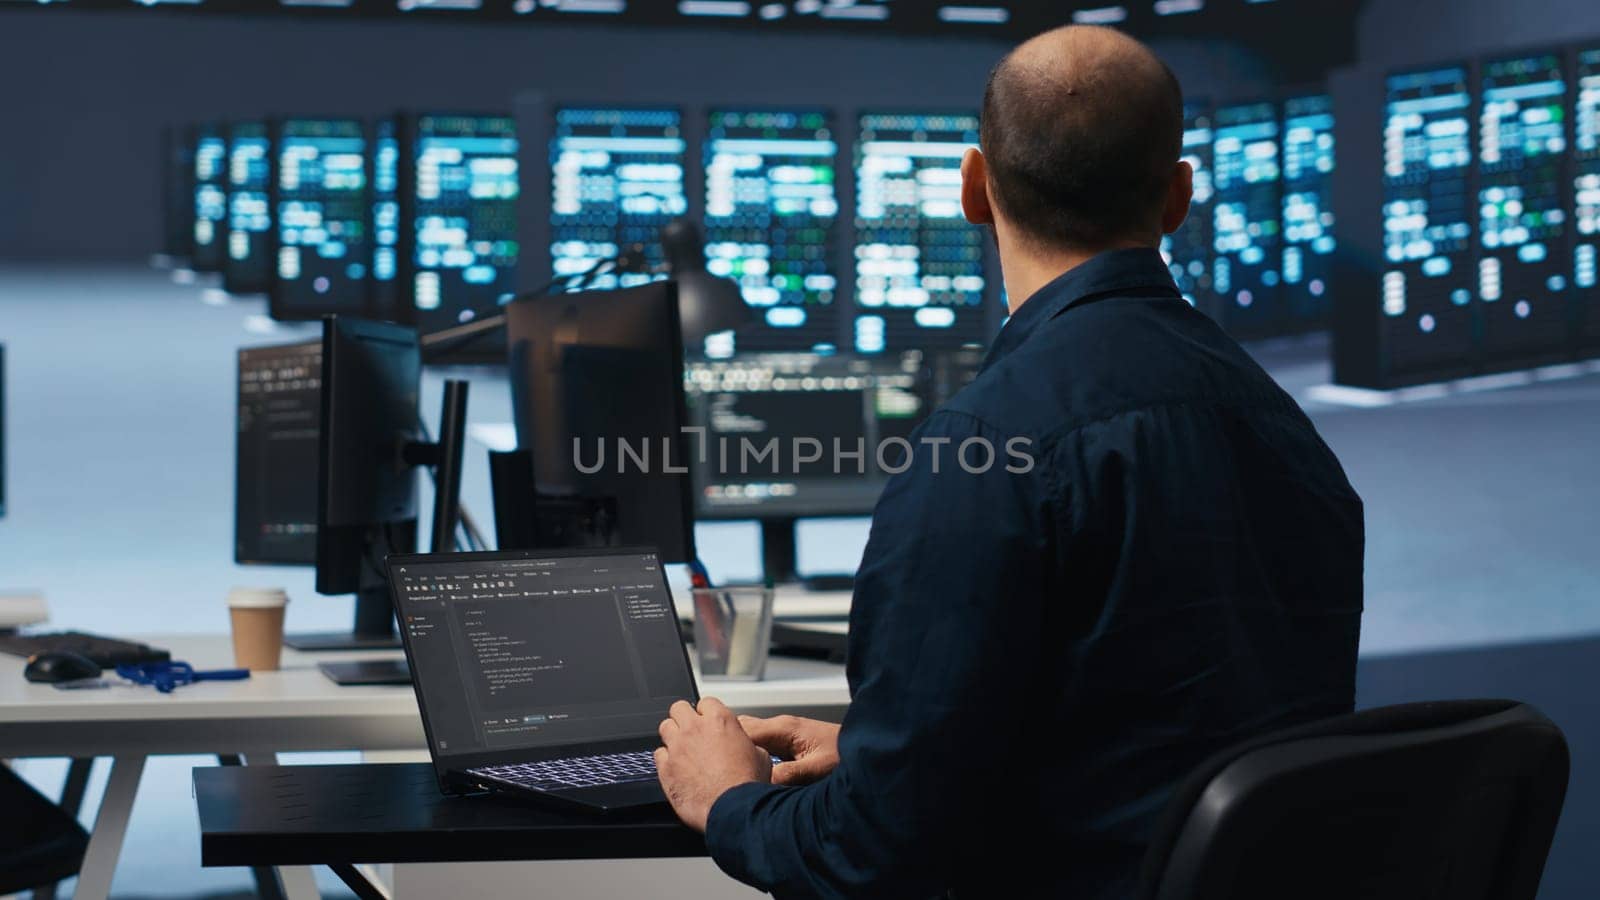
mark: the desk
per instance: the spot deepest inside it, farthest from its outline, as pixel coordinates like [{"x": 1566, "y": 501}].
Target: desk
[
  {"x": 338, "y": 816},
  {"x": 296, "y": 709},
  {"x": 791, "y": 601}
]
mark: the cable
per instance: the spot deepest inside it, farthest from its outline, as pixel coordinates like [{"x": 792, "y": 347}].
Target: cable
[{"x": 474, "y": 536}]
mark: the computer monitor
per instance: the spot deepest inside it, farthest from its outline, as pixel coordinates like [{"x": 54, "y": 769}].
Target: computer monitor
[
  {"x": 919, "y": 266},
  {"x": 1524, "y": 273},
  {"x": 247, "y": 265},
  {"x": 366, "y": 496},
  {"x": 1308, "y": 237},
  {"x": 278, "y": 439},
  {"x": 1586, "y": 198},
  {"x": 323, "y": 218},
  {"x": 1246, "y": 219},
  {"x": 617, "y": 177},
  {"x": 770, "y": 218},
  {"x": 1188, "y": 250},
  {"x": 329, "y": 438},
  {"x": 177, "y": 192},
  {"x": 792, "y": 436},
  {"x": 597, "y": 395},
  {"x": 458, "y": 212},
  {"x": 208, "y": 246}
]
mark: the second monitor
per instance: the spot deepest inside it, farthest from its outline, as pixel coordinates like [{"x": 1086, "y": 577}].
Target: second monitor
[
  {"x": 329, "y": 440},
  {"x": 801, "y": 435},
  {"x": 597, "y": 393}
]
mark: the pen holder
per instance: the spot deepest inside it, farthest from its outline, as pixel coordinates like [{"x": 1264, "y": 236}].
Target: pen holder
[{"x": 732, "y": 632}]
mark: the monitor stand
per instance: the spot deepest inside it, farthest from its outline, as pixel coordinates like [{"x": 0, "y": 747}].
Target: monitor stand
[
  {"x": 375, "y": 612},
  {"x": 777, "y": 550},
  {"x": 778, "y": 560},
  {"x": 366, "y": 672},
  {"x": 374, "y": 626},
  {"x": 374, "y": 631}
]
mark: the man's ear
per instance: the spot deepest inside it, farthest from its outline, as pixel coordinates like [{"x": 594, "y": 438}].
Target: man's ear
[
  {"x": 1180, "y": 193},
  {"x": 975, "y": 188}
]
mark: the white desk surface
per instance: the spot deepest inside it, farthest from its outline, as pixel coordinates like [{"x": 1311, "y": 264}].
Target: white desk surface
[
  {"x": 294, "y": 709},
  {"x": 795, "y": 602}
]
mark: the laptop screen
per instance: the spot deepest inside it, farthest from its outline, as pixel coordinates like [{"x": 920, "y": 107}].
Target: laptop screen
[{"x": 521, "y": 651}]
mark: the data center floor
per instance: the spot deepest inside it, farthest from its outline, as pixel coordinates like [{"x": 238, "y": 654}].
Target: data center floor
[{"x": 1482, "y": 507}]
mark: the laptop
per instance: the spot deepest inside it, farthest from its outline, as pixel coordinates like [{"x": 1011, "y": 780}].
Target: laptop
[{"x": 543, "y": 674}]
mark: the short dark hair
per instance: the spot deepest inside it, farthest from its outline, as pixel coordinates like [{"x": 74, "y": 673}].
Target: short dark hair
[{"x": 1081, "y": 159}]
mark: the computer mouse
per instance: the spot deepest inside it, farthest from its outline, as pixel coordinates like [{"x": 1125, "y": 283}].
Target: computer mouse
[{"x": 59, "y": 665}]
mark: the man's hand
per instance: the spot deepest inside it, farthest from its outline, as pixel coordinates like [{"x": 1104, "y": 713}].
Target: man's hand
[
  {"x": 705, "y": 753},
  {"x": 811, "y": 748}
]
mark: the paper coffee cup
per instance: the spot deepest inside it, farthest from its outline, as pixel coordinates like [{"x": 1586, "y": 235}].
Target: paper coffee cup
[{"x": 257, "y": 615}]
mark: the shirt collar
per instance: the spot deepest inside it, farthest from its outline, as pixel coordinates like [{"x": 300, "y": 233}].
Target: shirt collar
[{"x": 1109, "y": 272}]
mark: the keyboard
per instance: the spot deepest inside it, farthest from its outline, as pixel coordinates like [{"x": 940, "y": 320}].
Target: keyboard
[
  {"x": 574, "y": 772},
  {"x": 106, "y": 652}
]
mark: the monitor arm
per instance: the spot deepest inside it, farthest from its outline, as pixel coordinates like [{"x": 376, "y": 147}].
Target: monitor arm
[
  {"x": 444, "y": 456},
  {"x": 439, "y": 343}
]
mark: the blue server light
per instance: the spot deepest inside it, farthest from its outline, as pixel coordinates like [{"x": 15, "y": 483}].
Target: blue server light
[
  {"x": 1188, "y": 250},
  {"x": 1428, "y": 283},
  {"x": 210, "y": 198},
  {"x": 463, "y": 219},
  {"x": 385, "y": 202},
  {"x": 1522, "y": 219},
  {"x": 919, "y": 265},
  {"x": 616, "y": 179},
  {"x": 247, "y": 266},
  {"x": 771, "y": 211},
  {"x": 1586, "y": 195},
  {"x": 323, "y": 218},
  {"x": 1246, "y": 233},
  {"x": 1308, "y": 234}
]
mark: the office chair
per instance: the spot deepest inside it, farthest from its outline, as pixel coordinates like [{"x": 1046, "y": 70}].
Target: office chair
[
  {"x": 1454, "y": 800},
  {"x": 40, "y": 843}
]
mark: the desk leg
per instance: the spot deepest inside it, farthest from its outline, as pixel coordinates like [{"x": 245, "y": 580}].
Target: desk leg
[
  {"x": 358, "y": 882},
  {"x": 297, "y": 881},
  {"x": 110, "y": 827},
  {"x": 76, "y": 784}
]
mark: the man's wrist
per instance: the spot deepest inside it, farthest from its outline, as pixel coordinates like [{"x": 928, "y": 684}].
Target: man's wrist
[{"x": 728, "y": 821}]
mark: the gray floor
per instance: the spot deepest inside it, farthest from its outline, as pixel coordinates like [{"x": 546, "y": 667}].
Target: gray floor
[{"x": 1483, "y": 508}]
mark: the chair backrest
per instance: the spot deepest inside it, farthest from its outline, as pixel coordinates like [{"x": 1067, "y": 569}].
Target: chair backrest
[
  {"x": 1454, "y": 800},
  {"x": 39, "y": 843}
]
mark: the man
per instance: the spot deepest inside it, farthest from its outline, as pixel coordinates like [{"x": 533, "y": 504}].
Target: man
[{"x": 1040, "y": 651}]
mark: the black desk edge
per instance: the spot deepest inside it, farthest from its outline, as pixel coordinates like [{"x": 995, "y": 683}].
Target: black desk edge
[{"x": 394, "y": 813}]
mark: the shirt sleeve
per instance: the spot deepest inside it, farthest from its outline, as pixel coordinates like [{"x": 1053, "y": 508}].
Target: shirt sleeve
[{"x": 945, "y": 639}]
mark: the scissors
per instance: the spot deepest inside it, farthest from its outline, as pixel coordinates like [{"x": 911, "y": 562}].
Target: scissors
[{"x": 168, "y": 676}]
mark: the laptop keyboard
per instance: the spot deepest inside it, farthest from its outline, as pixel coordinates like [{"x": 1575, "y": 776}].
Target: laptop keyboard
[{"x": 577, "y": 771}]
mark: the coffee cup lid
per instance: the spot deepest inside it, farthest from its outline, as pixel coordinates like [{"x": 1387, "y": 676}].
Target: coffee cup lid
[{"x": 257, "y": 598}]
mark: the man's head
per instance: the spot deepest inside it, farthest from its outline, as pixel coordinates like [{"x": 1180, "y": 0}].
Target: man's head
[{"x": 1082, "y": 132}]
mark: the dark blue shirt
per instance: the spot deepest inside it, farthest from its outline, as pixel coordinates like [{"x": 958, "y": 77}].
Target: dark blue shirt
[{"x": 1162, "y": 559}]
